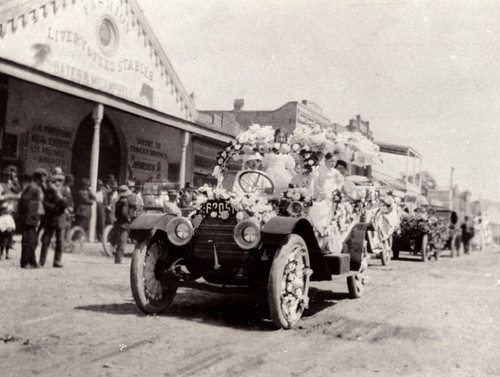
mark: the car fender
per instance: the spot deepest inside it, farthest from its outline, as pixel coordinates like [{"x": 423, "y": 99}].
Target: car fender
[
  {"x": 353, "y": 244},
  {"x": 147, "y": 224},
  {"x": 276, "y": 231}
]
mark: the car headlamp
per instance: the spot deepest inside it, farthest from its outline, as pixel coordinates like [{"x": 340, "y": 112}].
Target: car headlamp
[
  {"x": 295, "y": 209},
  {"x": 247, "y": 234},
  {"x": 179, "y": 231}
]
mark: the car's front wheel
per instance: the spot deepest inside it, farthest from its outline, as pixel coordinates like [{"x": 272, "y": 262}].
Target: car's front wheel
[
  {"x": 152, "y": 286},
  {"x": 288, "y": 286}
]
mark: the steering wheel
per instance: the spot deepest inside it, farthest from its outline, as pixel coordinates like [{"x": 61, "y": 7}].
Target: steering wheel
[{"x": 251, "y": 181}]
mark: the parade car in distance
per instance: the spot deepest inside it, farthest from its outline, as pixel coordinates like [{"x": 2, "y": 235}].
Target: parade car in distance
[{"x": 216, "y": 247}]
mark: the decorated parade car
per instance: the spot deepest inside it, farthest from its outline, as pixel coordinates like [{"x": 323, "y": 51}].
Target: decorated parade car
[
  {"x": 427, "y": 233},
  {"x": 259, "y": 234}
]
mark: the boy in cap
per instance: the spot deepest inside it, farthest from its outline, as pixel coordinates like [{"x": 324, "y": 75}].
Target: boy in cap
[{"x": 123, "y": 214}]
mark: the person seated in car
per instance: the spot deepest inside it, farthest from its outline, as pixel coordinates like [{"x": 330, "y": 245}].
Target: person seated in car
[
  {"x": 249, "y": 183},
  {"x": 349, "y": 188}
]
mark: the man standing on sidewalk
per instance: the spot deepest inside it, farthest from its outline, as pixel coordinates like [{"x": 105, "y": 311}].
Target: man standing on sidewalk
[
  {"x": 30, "y": 210},
  {"x": 55, "y": 217}
]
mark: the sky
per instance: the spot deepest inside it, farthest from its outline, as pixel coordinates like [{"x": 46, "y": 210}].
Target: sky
[{"x": 424, "y": 73}]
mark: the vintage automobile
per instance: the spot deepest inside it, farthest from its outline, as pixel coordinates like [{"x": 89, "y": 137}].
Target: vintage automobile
[
  {"x": 413, "y": 237},
  {"x": 450, "y": 235},
  {"x": 216, "y": 246}
]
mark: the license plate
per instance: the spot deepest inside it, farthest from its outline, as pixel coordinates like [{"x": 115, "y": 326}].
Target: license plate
[{"x": 218, "y": 209}]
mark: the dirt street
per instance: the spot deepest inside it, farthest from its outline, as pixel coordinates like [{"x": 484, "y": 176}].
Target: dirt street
[{"x": 439, "y": 318}]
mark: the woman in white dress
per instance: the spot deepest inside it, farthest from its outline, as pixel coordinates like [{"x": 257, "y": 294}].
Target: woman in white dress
[
  {"x": 279, "y": 166},
  {"x": 328, "y": 180}
]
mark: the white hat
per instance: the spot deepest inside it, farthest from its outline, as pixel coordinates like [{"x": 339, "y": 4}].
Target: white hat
[{"x": 253, "y": 156}]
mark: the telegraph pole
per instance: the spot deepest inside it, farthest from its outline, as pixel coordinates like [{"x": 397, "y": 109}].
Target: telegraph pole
[{"x": 451, "y": 188}]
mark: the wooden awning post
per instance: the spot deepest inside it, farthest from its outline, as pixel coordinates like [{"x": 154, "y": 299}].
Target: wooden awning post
[
  {"x": 185, "y": 143},
  {"x": 97, "y": 115}
]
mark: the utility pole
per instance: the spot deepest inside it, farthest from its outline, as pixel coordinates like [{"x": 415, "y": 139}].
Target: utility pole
[{"x": 451, "y": 188}]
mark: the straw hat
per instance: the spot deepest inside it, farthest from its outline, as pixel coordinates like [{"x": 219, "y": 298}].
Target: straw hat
[
  {"x": 123, "y": 190},
  {"x": 253, "y": 157}
]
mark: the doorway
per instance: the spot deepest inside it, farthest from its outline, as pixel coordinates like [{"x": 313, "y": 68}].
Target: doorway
[{"x": 109, "y": 149}]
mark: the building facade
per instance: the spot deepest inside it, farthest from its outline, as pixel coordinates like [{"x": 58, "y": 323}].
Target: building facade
[
  {"x": 85, "y": 85},
  {"x": 288, "y": 116}
]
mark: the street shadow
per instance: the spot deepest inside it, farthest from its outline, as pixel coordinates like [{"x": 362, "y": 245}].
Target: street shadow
[
  {"x": 239, "y": 311},
  {"x": 118, "y": 308}
]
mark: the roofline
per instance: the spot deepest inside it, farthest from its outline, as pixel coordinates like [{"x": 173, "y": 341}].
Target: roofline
[
  {"x": 52, "y": 82},
  {"x": 399, "y": 149}
]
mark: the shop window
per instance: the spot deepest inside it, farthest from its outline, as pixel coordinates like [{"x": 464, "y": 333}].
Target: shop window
[
  {"x": 174, "y": 172},
  {"x": 10, "y": 146}
]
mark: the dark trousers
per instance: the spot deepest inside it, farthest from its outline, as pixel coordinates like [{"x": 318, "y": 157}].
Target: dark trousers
[
  {"x": 28, "y": 246},
  {"x": 4, "y": 243},
  {"x": 121, "y": 238},
  {"x": 100, "y": 220},
  {"x": 46, "y": 238}
]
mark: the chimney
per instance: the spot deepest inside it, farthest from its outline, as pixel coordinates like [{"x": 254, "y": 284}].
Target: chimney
[{"x": 238, "y": 104}]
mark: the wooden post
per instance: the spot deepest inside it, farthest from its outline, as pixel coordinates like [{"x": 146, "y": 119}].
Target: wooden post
[{"x": 97, "y": 115}]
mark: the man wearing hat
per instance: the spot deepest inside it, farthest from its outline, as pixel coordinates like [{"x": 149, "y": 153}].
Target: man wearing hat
[
  {"x": 55, "y": 219},
  {"x": 255, "y": 181},
  {"x": 170, "y": 207},
  {"x": 30, "y": 209},
  {"x": 123, "y": 213},
  {"x": 84, "y": 199}
]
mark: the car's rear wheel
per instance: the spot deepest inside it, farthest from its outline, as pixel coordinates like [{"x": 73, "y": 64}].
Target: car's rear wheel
[
  {"x": 288, "y": 285},
  {"x": 356, "y": 283},
  {"x": 152, "y": 286},
  {"x": 108, "y": 242}
]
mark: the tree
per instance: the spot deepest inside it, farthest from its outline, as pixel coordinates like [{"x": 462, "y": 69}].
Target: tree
[{"x": 428, "y": 181}]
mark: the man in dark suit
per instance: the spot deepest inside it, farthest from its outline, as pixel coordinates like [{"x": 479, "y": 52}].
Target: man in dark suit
[
  {"x": 30, "y": 209},
  {"x": 55, "y": 218}
]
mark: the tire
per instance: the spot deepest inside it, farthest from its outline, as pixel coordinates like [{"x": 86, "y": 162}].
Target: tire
[
  {"x": 108, "y": 245},
  {"x": 424, "y": 247},
  {"x": 152, "y": 289},
  {"x": 356, "y": 283},
  {"x": 288, "y": 285},
  {"x": 385, "y": 254},
  {"x": 76, "y": 237}
]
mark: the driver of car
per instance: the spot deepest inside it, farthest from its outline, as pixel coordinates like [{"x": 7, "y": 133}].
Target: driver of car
[{"x": 250, "y": 182}]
